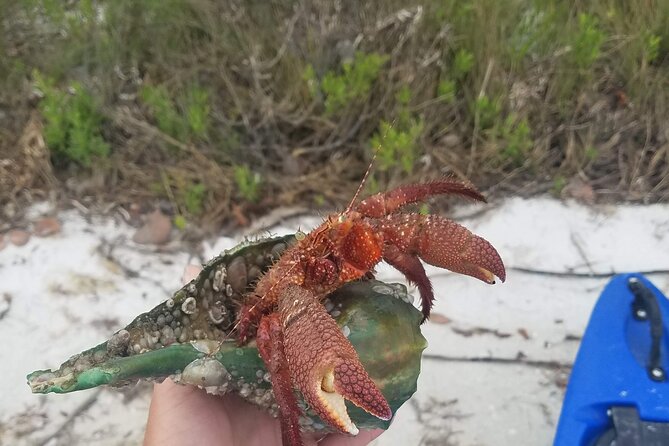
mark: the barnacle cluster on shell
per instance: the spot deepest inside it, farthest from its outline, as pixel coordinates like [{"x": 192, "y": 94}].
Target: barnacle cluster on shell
[
  {"x": 185, "y": 338},
  {"x": 203, "y": 309},
  {"x": 206, "y": 307}
]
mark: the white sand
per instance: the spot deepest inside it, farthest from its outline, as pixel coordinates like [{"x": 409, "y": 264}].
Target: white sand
[{"x": 66, "y": 297}]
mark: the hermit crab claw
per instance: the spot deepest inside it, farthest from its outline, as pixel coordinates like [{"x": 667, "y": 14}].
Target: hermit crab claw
[
  {"x": 323, "y": 364},
  {"x": 350, "y": 381}
]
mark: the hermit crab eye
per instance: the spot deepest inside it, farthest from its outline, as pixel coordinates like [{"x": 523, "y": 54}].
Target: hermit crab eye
[{"x": 341, "y": 218}]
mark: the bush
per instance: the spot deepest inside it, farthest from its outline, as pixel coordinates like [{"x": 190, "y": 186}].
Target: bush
[
  {"x": 73, "y": 123},
  {"x": 353, "y": 84}
]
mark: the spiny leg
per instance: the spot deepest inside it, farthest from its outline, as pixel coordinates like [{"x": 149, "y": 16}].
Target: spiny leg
[
  {"x": 386, "y": 203},
  {"x": 263, "y": 300},
  {"x": 248, "y": 316},
  {"x": 323, "y": 364},
  {"x": 413, "y": 270},
  {"x": 271, "y": 347}
]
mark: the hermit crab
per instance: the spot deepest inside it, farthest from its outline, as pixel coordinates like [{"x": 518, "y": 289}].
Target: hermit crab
[
  {"x": 281, "y": 306},
  {"x": 184, "y": 338},
  {"x": 301, "y": 345}
]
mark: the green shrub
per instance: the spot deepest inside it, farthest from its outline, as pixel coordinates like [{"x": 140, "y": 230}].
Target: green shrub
[
  {"x": 194, "y": 196},
  {"x": 559, "y": 183},
  {"x": 586, "y": 42},
  {"x": 446, "y": 90},
  {"x": 197, "y": 110},
  {"x": 403, "y": 95},
  {"x": 353, "y": 84},
  {"x": 159, "y": 102},
  {"x": 180, "y": 222},
  {"x": 193, "y": 121},
  {"x": 309, "y": 76},
  {"x": 463, "y": 62},
  {"x": 517, "y": 139},
  {"x": 73, "y": 122},
  {"x": 651, "y": 49},
  {"x": 532, "y": 33},
  {"x": 488, "y": 111},
  {"x": 248, "y": 183},
  {"x": 591, "y": 153},
  {"x": 397, "y": 144}
]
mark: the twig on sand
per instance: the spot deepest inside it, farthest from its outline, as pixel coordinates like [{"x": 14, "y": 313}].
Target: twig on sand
[
  {"x": 563, "y": 274},
  {"x": 575, "y": 239},
  {"x": 83, "y": 407},
  {"x": 106, "y": 250},
  {"x": 590, "y": 275},
  {"x": 519, "y": 360}
]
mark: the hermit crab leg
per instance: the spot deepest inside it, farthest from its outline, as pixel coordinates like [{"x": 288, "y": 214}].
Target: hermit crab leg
[
  {"x": 271, "y": 348},
  {"x": 412, "y": 268},
  {"x": 386, "y": 203},
  {"x": 323, "y": 364}
]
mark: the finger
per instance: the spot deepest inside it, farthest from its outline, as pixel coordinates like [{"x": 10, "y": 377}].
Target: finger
[
  {"x": 185, "y": 415},
  {"x": 178, "y": 413},
  {"x": 362, "y": 439},
  {"x": 190, "y": 273}
]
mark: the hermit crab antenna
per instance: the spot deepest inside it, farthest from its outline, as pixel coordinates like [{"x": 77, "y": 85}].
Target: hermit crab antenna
[
  {"x": 364, "y": 179},
  {"x": 369, "y": 168}
]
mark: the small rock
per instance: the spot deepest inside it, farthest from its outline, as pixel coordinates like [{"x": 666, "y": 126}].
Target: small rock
[
  {"x": 438, "y": 318},
  {"x": 238, "y": 213},
  {"x": 5, "y": 304},
  {"x": 523, "y": 332},
  {"x": 291, "y": 166},
  {"x": 18, "y": 237},
  {"x": 190, "y": 273},
  {"x": 155, "y": 231},
  {"x": 9, "y": 210},
  {"x": 46, "y": 226},
  {"x": 451, "y": 140},
  {"x": 579, "y": 190},
  {"x": 134, "y": 214}
]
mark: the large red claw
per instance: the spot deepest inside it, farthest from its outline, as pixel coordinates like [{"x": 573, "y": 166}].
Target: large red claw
[{"x": 323, "y": 364}]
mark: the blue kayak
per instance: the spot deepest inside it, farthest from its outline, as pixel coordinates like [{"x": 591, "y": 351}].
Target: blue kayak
[{"x": 618, "y": 392}]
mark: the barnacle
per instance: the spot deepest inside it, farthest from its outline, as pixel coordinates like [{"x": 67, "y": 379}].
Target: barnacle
[{"x": 188, "y": 337}]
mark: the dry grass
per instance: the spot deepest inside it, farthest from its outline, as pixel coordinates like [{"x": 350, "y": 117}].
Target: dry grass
[{"x": 246, "y": 106}]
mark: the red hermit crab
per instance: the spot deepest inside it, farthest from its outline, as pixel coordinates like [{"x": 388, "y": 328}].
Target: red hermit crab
[{"x": 301, "y": 344}]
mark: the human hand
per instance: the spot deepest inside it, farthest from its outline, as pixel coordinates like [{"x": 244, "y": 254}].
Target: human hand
[{"x": 185, "y": 415}]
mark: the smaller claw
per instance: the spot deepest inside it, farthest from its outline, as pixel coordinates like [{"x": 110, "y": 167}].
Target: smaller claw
[
  {"x": 483, "y": 261},
  {"x": 445, "y": 244},
  {"x": 323, "y": 364}
]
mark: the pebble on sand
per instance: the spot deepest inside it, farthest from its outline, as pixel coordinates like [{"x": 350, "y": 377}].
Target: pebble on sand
[
  {"x": 155, "y": 231},
  {"x": 18, "y": 237},
  {"x": 46, "y": 226}
]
